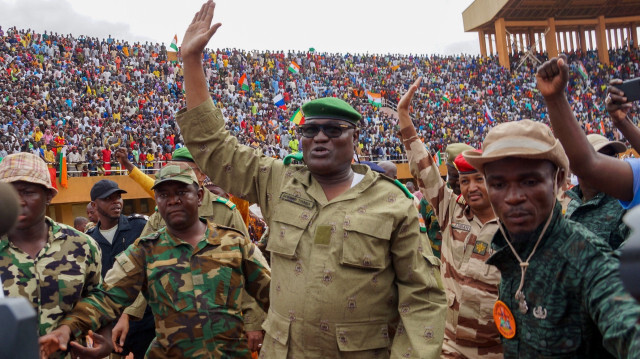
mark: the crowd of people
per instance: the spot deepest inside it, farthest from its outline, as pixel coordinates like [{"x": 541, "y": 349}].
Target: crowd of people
[{"x": 87, "y": 96}]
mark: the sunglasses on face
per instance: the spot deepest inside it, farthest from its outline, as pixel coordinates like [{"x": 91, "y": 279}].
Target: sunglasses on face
[{"x": 330, "y": 130}]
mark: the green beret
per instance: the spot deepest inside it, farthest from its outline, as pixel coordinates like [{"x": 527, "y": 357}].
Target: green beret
[
  {"x": 454, "y": 149},
  {"x": 330, "y": 108},
  {"x": 182, "y": 154}
]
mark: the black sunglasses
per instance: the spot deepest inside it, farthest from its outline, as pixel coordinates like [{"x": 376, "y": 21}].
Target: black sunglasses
[{"x": 330, "y": 130}]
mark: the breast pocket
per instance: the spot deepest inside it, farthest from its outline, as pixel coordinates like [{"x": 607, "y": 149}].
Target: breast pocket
[
  {"x": 170, "y": 285},
  {"x": 222, "y": 274},
  {"x": 366, "y": 242},
  {"x": 551, "y": 332},
  {"x": 287, "y": 227}
]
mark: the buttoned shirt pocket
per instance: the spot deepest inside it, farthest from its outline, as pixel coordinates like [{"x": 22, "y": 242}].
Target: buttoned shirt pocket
[
  {"x": 287, "y": 228},
  {"x": 223, "y": 276},
  {"x": 171, "y": 286},
  {"x": 366, "y": 242},
  {"x": 277, "y": 336},
  {"x": 551, "y": 335},
  {"x": 363, "y": 340}
]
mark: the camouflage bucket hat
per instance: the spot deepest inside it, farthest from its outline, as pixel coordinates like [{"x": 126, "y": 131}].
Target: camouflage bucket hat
[
  {"x": 180, "y": 172},
  {"x": 26, "y": 167}
]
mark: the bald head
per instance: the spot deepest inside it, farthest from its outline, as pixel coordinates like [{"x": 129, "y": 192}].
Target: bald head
[{"x": 390, "y": 169}]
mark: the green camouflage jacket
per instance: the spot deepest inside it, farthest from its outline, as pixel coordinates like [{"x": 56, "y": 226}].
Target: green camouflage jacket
[
  {"x": 433, "y": 227},
  {"x": 601, "y": 215},
  {"x": 577, "y": 307},
  {"x": 65, "y": 270},
  {"x": 193, "y": 292}
]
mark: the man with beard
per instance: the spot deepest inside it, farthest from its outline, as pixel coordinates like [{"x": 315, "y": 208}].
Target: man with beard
[
  {"x": 468, "y": 225},
  {"x": 560, "y": 294},
  {"x": 114, "y": 232},
  {"x": 192, "y": 273}
]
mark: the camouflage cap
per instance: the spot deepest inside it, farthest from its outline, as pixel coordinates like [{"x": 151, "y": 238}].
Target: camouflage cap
[
  {"x": 330, "y": 108},
  {"x": 180, "y": 172},
  {"x": 26, "y": 167},
  {"x": 182, "y": 154},
  {"x": 453, "y": 150}
]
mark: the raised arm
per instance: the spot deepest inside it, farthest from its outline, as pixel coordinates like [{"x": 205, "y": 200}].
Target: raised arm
[
  {"x": 195, "y": 39},
  {"x": 618, "y": 108},
  {"x": 606, "y": 174}
]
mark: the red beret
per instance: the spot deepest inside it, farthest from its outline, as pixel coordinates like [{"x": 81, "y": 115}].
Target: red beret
[{"x": 463, "y": 166}]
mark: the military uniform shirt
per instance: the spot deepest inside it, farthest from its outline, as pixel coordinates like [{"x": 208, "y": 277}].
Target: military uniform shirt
[
  {"x": 577, "y": 307},
  {"x": 65, "y": 270},
  {"x": 345, "y": 271},
  {"x": 602, "y": 215},
  {"x": 193, "y": 292}
]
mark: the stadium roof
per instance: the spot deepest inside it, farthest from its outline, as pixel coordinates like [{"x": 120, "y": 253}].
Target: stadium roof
[{"x": 482, "y": 14}]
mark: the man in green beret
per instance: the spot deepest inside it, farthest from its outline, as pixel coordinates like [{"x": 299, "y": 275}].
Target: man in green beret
[
  {"x": 192, "y": 272},
  {"x": 353, "y": 276}
]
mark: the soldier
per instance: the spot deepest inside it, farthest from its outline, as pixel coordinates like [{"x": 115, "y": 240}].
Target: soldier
[
  {"x": 191, "y": 272},
  {"x": 599, "y": 212},
  {"x": 214, "y": 208},
  {"x": 468, "y": 225},
  {"x": 560, "y": 292},
  {"x": 345, "y": 242},
  {"x": 114, "y": 232},
  {"x": 50, "y": 264}
]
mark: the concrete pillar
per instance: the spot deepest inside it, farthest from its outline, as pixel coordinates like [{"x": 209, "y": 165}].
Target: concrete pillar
[
  {"x": 634, "y": 35},
  {"x": 501, "y": 43},
  {"x": 581, "y": 38},
  {"x": 64, "y": 213},
  {"x": 550, "y": 39},
  {"x": 601, "y": 41},
  {"x": 483, "y": 43},
  {"x": 532, "y": 40}
]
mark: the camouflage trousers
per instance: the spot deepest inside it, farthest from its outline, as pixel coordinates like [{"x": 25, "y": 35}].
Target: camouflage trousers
[{"x": 451, "y": 350}]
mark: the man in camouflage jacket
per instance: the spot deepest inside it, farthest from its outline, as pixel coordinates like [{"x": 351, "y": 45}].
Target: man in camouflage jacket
[{"x": 191, "y": 272}]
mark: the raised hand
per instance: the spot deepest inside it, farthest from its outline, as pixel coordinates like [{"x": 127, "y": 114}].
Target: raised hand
[
  {"x": 199, "y": 31},
  {"x": 552, "y": 77},
  {"x": 616, "y": 103},
  {"x": 403, "y": 106}
]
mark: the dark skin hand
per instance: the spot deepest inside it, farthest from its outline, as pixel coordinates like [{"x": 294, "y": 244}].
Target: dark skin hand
[
  {"x": 606, "y": 174},
  {"x": 618, "y": 108},
  {"x": 121, "y": 156}
]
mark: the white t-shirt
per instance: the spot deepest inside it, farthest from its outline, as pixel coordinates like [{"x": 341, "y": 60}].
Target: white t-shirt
[{"x": 109, "y": 233}]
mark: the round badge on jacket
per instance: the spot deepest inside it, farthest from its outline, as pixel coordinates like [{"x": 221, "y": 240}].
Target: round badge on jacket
[{"x": 505, "y": 322}]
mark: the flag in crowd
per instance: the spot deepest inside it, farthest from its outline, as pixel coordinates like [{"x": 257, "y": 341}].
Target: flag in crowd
[
  {"x": 297, "y": 118},
  {"x": 446, "y": 98},
  {"x": 437, "y": 158},
  {"x": 294, "y": 68},
  {"x": 244, "y": 83},
  {"x": 174, "y": 43},
  {"x": 582, "y": 71},
  {"x": 63, "y": 169},
  {"x": 487, "y": 114},
  {"x": 278, "y": 100},
  {"x": 374, "y": 98}
]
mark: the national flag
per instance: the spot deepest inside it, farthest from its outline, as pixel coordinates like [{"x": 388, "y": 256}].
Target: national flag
[
  {"x": 174, "y": 43},
  {"x": 294, "y": 68},
  {"x": 601, "y": 128},
  {"x": 52, "y": 176},
  {"x": 437, "y": 158},
  {"x": 374, "y": 98},
  {"x": 63, "y": 169},
  {"x": 446, "y": 98},
  {"x": 582, "y": 71},
  {"x": 244, "y": 83},
  {"x": 487, "y": 114},
  {"x": 278, "y": 100},
  {"x": 297, "y": 118},
  {"x": 311, "y": 49}
]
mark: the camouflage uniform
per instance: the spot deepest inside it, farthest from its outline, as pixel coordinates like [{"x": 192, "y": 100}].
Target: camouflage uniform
[
  {"x": 193, "y": 292},
  {"x": 220, "y": 211},
  {"x": 601, "y": 215},
  {"x": 433, "y": 227},
  {"x": 471, "y": 285},
  {"x": 344, "y": 270},
  {"x": 66, "y": 269},
  {"x": 577, "y": 305}
]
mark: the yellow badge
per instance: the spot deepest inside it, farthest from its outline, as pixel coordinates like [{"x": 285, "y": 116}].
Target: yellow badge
[
  {"x": 480, "y": 248},
  {"x": 505, "y": 322}
]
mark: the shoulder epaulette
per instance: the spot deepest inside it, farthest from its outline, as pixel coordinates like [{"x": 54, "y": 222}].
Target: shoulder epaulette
[
  {"x": 152, "y": 236},
  {"x": 294, "y": 156},
  {"x": 460, "y": 200},
  {"x": 229, "y": 228},
  {"x": 226, "y": 202},
  {"x": 398, "y": 184}
]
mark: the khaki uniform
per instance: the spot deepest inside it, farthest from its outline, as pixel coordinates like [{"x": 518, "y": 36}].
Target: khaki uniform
[
  {"x": 471, "y": 284},
  {"x": 344, "y": 271}
]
